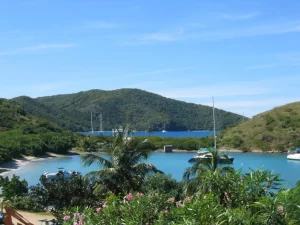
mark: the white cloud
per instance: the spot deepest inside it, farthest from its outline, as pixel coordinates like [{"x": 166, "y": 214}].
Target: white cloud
[
  {"x": 163, "y": 36},
  {"x": 210, "y": 34},
  {"x": 36, "y": 48},
  {"x": 259, "y": 30},
  {"x": 236, "y": 17}
]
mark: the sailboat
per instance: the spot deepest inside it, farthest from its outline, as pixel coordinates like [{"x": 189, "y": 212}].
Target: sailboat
[
  {"x": 100, "y": 128},
  {"x": 205, "y": 154},
  {"x": 164, "y": 130},
  {"x": 92, "y": 123}
]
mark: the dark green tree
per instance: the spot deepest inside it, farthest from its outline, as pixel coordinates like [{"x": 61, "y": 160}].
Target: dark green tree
[{"x": 13, "y": 187}]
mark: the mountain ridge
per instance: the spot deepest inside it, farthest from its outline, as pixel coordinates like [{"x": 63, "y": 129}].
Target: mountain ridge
[
  {"x": 276, "y": 129},
  {"x": 137, "y": 107}
]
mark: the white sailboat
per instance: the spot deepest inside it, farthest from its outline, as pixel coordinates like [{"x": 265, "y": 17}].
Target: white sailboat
[
  {"x": 204, "y": 153},
  {"x": 164, "y": 130}
]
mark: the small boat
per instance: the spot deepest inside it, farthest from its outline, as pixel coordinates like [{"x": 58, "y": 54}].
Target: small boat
[
  {"x": 120, "y": 129},
  {"x": 204, "y": 154},
  {"x": 207, "y": 156},
  {"x": 294, "y": 154},
  {"x": 164, "y": 130},
  {"x": 61, "y": 173}
]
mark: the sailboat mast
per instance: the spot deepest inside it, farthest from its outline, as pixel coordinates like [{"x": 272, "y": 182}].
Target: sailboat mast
[
  {"x": 101, "y": 122},
  {"x": 215, "y": 140},
  {"x": 92, "y": 123}
]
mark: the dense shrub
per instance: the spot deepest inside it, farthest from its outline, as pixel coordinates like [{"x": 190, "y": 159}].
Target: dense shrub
[
  {"x": 13, "y": 187},
  {"x": 163, "y": 184}
]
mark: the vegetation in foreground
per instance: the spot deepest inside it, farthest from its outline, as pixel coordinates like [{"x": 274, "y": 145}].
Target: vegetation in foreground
[
  {"x": 125, "y": 106},
  {"x": 277, "y": 129},
  {"x": 208, "y": 194},
  {"x": 21, "y": 134}
]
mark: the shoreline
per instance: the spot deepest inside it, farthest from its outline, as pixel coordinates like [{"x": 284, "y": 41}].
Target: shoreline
[
  {"x": 16, "y": 164},
  {"x": 229, "y": 150}
]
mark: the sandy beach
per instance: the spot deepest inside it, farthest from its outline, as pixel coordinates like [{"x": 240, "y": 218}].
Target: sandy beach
[{"x": 16, "y": 164}]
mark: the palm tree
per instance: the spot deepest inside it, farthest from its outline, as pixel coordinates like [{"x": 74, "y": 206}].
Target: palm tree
[
  {"x": 203, "y": 174},
  {"x": 123, "y": 168}
]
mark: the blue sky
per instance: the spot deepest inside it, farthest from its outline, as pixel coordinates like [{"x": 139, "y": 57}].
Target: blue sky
[{"x": 244, "y": 53}]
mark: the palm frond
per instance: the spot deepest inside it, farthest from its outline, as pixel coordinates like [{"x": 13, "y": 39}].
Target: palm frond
[
  {"x": 90, "y": 159},
  {"x": 145, "y": 168},
  {"x": 99, "y": 175}
]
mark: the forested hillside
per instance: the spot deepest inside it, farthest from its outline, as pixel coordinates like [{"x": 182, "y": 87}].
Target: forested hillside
[
  {"x": 21, "y": 134},
  {"x": 277, "y": 129},
  {"x": 139, "y": 108}
]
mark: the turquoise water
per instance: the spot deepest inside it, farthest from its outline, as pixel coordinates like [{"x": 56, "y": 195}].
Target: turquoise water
[
  {"x": 173, "y": 163},
  {"x": 197, "y": 134}
]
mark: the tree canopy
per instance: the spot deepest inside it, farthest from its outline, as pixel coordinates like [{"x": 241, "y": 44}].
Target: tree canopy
[{"x": 139, "y": 108}]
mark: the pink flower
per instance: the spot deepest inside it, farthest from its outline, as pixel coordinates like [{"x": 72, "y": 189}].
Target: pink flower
[
  {"x": 171, "y": 200},
  {"x": 281, "y": 209},
  {"x": 139, "y": 194},
  {"x": 98, "y": 210},
  {"x": 76, "y": 215},
  {"x": 80, "y": 220},
  {"x": 66, "y": 218},
  {"x": 129, "y": 197},
  {"x": 104, "y": 205},
  {"x": 179, "y": 203},
  {"x": 187, "y": 199}
]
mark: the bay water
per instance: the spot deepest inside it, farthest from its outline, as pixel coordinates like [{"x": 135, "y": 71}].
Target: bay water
[
  {"x": 169, "y": 163},
  {"x": 175, "y": 134}
]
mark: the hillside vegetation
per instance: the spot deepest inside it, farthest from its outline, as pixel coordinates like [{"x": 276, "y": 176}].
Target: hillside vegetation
[
  {"x": 21, "y": 134},
  {"x": 139, "y": 108},
  {"x": 277, "y": 129}
]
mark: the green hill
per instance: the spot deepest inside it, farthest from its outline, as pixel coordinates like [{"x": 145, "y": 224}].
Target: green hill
[
  {"x": 21, "y": 134},
  {"x": 277, "y": 129},
  {"x": 139, "y": 108}
]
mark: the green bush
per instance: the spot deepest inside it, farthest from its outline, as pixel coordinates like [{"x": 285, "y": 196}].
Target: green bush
[
  {"x": 162, "y": 183},
  {"x": 13, "y": 187}
]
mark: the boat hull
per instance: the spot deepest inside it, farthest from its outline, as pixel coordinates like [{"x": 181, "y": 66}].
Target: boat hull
[
  {"x": 221, "y": 161},
  {"x": 293, "y": 157}
]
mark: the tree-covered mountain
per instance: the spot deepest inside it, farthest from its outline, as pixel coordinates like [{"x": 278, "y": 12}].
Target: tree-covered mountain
[
  {"x": 21, "y": 134},
  {"x": 139, "y": 108},
  {"x": 277, "y": 129}
]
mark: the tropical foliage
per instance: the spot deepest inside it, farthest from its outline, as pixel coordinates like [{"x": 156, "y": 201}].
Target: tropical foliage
[
  {"x": 202, "y": 208},
  {"x": 21, "y": 134},
  {"x": 124, "y": 106},
  {"x": 124, "y": 169},
  {"x": 277, "y": 129}
]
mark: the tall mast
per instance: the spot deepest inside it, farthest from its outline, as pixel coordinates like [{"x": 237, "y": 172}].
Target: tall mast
[
  {"x": 215, "y": 140},
  {"x": 92, "y": 123},
  {"x": 101, "y": 122}
]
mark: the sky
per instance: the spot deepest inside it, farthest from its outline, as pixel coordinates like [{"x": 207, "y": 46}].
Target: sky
[{"x": 244, "y": 53}]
